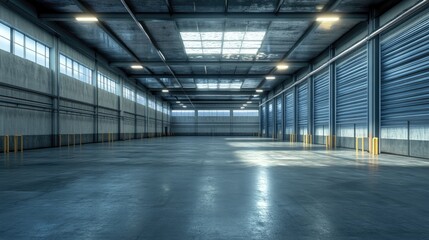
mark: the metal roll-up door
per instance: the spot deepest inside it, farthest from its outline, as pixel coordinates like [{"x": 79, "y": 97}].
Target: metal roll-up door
[
  {"x": 302, "y": 109},
  {"x": 405, "y": 91},
  {"x": 352, "y": 98},
  {"x": 289, "y": 113},
  {"x": 264, "y": 120},
  {"x": 321, "y": 106},
  {"x": 270, "y": 124},
  {"x": 279, "y": 117}
]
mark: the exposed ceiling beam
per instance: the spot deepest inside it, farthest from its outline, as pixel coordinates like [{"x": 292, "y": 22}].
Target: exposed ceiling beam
[
  {"x": 231, "y": 76},
  {"x": 208, "y": 93},
  {"x": 279, "y": 6},
  {"x": 147, "y": 17},
  {"x": 211, "y": 63},
  {"x": 111, "y": 34},
  {"x": 330, "y": 6}
]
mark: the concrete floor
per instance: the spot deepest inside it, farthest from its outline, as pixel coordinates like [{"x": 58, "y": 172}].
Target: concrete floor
[{"x": 211, "y": 188}]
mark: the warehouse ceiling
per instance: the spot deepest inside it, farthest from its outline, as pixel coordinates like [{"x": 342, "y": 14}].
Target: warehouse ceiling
[{"x": 208, "y": 51}]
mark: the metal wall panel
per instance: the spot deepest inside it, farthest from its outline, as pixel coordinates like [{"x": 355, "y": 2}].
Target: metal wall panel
[
  {"x": 270, "y": 122},
  {"x": 352, "y": 98},
  {"x": 352, "y": 89},
  {"x": 264, "y": 120},
  {"x": 279, "y": 116},
  {"x": 289, "y": 112},
  {"x": 321, "y": 99},
  {"x": 303, "y": 108},
  {"x": 405, "y": 76}
]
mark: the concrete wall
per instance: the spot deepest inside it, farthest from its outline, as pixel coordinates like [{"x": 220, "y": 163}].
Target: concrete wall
[{"x": 49, "y": 108}]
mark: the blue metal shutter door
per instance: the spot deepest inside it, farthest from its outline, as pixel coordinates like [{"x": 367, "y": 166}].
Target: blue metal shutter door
[
  {"x": 270, "y": 124},
  {"x": 352, "y": 98},
  {"x": 279, "y": 118},
  {"x": 321, "y": 106},
  {"x": 405, "y": 91},
  {"x": 302, "y": 109},
  {"x": 289, "y": 113}
]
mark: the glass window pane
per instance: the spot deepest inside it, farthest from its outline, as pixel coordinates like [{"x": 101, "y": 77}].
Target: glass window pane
[
  {"x": 4, "y": 44},
  {"x": 18, "y": 38},
  {"x": 30, "y": 55},
  {"x": 30, "y": 44},
  {"x": 40, "y": 49},
  {"x": 40, "y": 60},
  {"x": 4, "y": 31}
]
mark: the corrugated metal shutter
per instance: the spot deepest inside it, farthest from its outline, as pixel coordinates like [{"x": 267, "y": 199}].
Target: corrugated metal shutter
[
  {"x": 303, "y": 108},
  {"x": 264, "y": 120},
  {"x": 352, "y": 89},
  {"x": 270, "y": 119},
  {"x": 321, "y": 99},
  {"x": 405, "y": 76},
  {"x": 289, "y": 112},
  {"x": 279, "y": 115}
]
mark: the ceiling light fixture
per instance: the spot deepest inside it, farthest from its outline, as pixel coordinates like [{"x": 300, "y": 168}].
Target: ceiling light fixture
[
  {"x": 259, "y": 90},
  {"x": 282, "y": 67},
  {"x": 249, "y": 102},
  {"x": 136, "y": 66},
  {"x": 255, "y": 96},
  {"x": 270, "y": 77},
  {"x": 242, "y": 107},
  {"x": 328, "y": 19},
  {"x": 165, "y": 90},
  {"x": 177, "y": 101},
  {"x": 184, "y": 106},
  {"x": 86, "y": 19}
]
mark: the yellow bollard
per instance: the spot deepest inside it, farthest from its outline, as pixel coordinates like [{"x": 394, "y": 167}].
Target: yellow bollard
[
  {"x": 22, "y": 143},
  {"x": 357, "y": 144},
  {"x": 15, "y": 143},
  {"x": 363, "y": 144},
  {"x": 375, "y": 146}
]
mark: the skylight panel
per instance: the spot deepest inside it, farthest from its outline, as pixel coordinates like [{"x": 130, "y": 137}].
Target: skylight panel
[
  {"x": 251, "y": 44},
  {"x": 231, "y": 51},
  {"x": 254, "y": 36},
  {"x": 192, "y": 44},
  {"x": 212, "y": 85},
  {"x": 224, "y": 85},
  {"x": 190, "y": 36},
  {"x": 211, "y": 50},
  {"x": 211, "y": 36},
  {"x": 229, "y": 36},
  {"x": 202, "y": 85},
  {"x": 232, "y": 44},
  {"x": 212, "y": 44},
  {"x": 194, "y": 51}
]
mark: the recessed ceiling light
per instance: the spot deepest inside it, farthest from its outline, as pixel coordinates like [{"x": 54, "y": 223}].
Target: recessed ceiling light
[
  {"x": 319, "y": 7},
  {"x": 181, "y": 104},
  {"x": 249, "y": 102},
  {"x": 86, "y": 19},
  {"x": 282, "y": 67},
  {"x": 270, "y": 77},
  {"x": 177, "y": 101},
  {"x": 242, "y": 107},
  {"x": 255, "y": 96},
  {"x": 184, "y": 107},
  {"x": 165, "y": 90},
  {"x": 259, "y": 90},
  {"x": 327, "y": 19},
  {"x": 136, "y": 66}
]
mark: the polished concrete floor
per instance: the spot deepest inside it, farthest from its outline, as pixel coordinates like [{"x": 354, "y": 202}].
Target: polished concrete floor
[{"x": 211, "y": 188}]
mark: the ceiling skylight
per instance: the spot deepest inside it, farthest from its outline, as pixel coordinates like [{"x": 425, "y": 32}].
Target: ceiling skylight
[
  {"x": 214, "y": 84},
  {"x": 211, "y": 43}
]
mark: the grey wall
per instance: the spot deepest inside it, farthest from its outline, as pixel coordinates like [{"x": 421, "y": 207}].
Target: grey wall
[{"x": 49, "y": 108}]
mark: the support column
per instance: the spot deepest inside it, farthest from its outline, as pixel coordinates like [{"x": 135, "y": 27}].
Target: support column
[
  {"x": 332, "y": 99},
  {"x": 310, "y": 124},
  {"x": 54, "y": 66},
  {"x": 373, "y": 79}
]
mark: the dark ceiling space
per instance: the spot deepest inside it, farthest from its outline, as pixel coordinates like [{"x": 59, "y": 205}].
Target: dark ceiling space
[{"x": 255, "y": 37}]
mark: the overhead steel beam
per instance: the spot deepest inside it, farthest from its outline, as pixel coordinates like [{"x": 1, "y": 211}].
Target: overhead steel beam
[
  {"x": 207, "y": 93},
  {"x": 111, "y": 34},
  {"x": 208, "y": 16},
  {"x": 232, "y": 76},
  {"x": 210, "y": 63}
]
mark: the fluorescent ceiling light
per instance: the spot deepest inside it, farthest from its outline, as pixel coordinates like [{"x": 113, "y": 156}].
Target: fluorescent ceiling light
[
  {"x": 165, "y": 90},
  {"x": 255, "y": 96},
  {"x": 282, "y": 67},
  {"x": 242, "y": 107},
  {"x": 184, "y": 107},
  {"x": 249, "y": 102},
  {"x": 136, "y": 66},
  {"x": 327, "y": 19},
  {"x": 259, "y": 90},
  {"x": 177, "y": 101},
  {"x": 86, "y": 19},
  {"x": 270, "y": 77}
]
